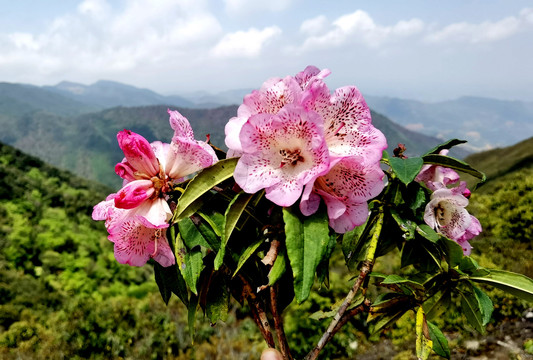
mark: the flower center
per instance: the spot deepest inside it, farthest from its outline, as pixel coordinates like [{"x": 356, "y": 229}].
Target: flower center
[
  {"x": 160, "y": 182},
  {"x": 290, "y": 157}
]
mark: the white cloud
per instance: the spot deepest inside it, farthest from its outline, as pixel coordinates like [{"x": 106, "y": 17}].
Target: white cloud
[
  {"x": 314, "y": 26},
  {"x": 245, "y": 43},
  {"x": 486, "y": 31},
  {"x": 247, "y": 7},
  {"x": 96, "y": 40},
  {"x": 360, "y": 27}
]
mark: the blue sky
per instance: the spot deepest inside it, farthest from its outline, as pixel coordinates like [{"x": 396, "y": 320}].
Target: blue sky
[{"x": 424, "y": 50}]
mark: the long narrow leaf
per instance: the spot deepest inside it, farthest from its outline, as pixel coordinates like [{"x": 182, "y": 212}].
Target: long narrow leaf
[
  {"x": 513, "y": 283},
  {"x": 233, "y": 213},
  {"x": 202, "y": 183},
  {"x": 453, "y": 163}
]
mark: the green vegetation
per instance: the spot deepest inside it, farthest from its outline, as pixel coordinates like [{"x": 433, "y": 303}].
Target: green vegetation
[{"x": 63, "y": 295}]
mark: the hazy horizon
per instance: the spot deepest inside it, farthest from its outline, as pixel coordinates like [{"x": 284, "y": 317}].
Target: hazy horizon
[{"x": 407, "y": 50}]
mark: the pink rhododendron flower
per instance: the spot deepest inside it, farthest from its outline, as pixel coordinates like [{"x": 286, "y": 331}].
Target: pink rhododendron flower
[
  {"x": 437, "y": 177},
  {"x": 345, "y": 189},
  {"x": 446, "y": 214},
  {"x": 134, "y": 242},
  {"x": 353, "y": 146},
  {"x": 281, "y": 153},
  {"x": 347, "y": 122},
  {"x": 137, "y": 214}
]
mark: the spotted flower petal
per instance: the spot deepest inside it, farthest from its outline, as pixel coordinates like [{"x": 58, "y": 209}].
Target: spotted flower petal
[
  {"x": 135, "y": 244},
  {"x": 281, "y": 153},
  {"x": 437, "y": 177},
  {"x": 347, "y": 122},
  {"x": 345, "y": 189},
  {"x": 446, "y": 213},
  {"x": 270, "y": 99}
]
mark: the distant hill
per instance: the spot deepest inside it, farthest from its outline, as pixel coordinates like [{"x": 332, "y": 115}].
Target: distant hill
[
  {"x": 504, "y": 206},
  {"x": 499, "y": 162},
  {"x": 485, "y": 123},
  {"x": 19, "y": 99},
  {"x": 66, "y": 126},
  {"x": 106, "y": 94}
]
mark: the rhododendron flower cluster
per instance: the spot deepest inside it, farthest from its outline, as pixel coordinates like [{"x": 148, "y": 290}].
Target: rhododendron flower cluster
[
  {"x": 137, "y": 215},
  {"x": 446, "y": 211},
  {"x": 297, "y": 140}
]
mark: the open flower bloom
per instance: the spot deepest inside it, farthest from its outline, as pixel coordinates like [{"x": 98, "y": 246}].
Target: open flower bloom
[
  {"x": 437, "y": 177},
  {"x": 270, "y": 99},
  {"x": 446, "y": 214},
  {"x": 345, "y": 189},
  {"x": 281, "y": 153},
  {"x": 138, "y": 214},
  {"x": 134, "y": 242},
  {"x": 148, "y": 170}
]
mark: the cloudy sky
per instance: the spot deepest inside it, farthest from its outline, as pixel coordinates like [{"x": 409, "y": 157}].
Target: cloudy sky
[{"x": 416, "y": 49}]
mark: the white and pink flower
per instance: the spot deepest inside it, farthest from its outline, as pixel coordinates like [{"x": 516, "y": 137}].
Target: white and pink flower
[
  {"x": 138, "y": 214},
  {"x": 293, "y": 133}
]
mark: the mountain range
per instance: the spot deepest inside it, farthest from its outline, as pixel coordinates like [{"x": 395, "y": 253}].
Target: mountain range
[{"x": 74, "y": 126}]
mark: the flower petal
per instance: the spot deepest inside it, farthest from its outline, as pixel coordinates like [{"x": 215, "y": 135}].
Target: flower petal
[
  {"x": 134, "y": 194},
  {"x": 185, "y": 157},
  {"x": 180, "y": 125},
  {"x": 153, "y": 213},
  {"x": 281, "y": 153},
  {"x": 138, "y": 152}
]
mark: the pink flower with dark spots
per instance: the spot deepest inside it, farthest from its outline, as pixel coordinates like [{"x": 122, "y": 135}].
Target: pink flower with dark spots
[
  {"x": 446, "y": 214},
  {"x": 281, "y": 153},
  {"x": 347, "y": 122},
  {"x": 134, "y": 242},
  {"x": 345, "y": 189},
  {"x": 437, "y": 177},
  {"x": 270, "y": 99},
  {"x": 138, "y": 214}
]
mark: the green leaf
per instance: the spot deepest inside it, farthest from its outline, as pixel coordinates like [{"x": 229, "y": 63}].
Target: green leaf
[
  {"x": 202, "y": 183},
  {"x": 440, "y": 343},
  {"x": 231, "y": 217},
  {"x": 306, "y": 244},
  {"x": 452, "y": 251},
  {"x": 169, "y": 280},
  {"x": 440, "y": 305},
  {"x": 485, "y": 305},
  {"x": 471, "y": 309},
  {"x": 190, "y": 234},
  {"x": 424, "y": 345},
  {"x": 397, "y": 279},
  {"x": 207, "y": 232},
  {"x": 190, "y": 263},
  {"x": 278, "y": 269},
  {"x": 249, "y": 251},
  {"x": 406, "y": 169},
  {"x": 468, "y": 265},
  {"x": 428, "y": 233},
  {"x": 217, "y": 303},
  {"x": 323, "y": 267},
  {"x": 354, "y": 246},
  {"x": 407, "y": 226},
  {"x": 388, "y": 318},
  {"x": 447, "y": 145},
  {"x": 513, "y": 283},
  {"x": 191, "y": 315},
  {"x": 453, "y": 163},
  {"x": 162, "y": 283}
]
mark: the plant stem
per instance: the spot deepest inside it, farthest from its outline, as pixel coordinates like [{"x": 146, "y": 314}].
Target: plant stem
[
  {"x": 366, "y": 268},
  {"x": 278, "y": 323},
  {"x": 258, "y": 312}
]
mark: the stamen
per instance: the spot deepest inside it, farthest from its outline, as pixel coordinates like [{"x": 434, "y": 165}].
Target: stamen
[{"x": 157, "y": 235}]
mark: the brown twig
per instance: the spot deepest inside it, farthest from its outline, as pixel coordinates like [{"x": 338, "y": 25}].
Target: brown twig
[
  {"x": 366, "y": 268},
  {"x": 258, "y": 312},
  {"x": 278, "y": 323},
  {"x": 272, "y": 253},
  {"x": 332, "y": 329},
  {"x": 365, "y": 306}
]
